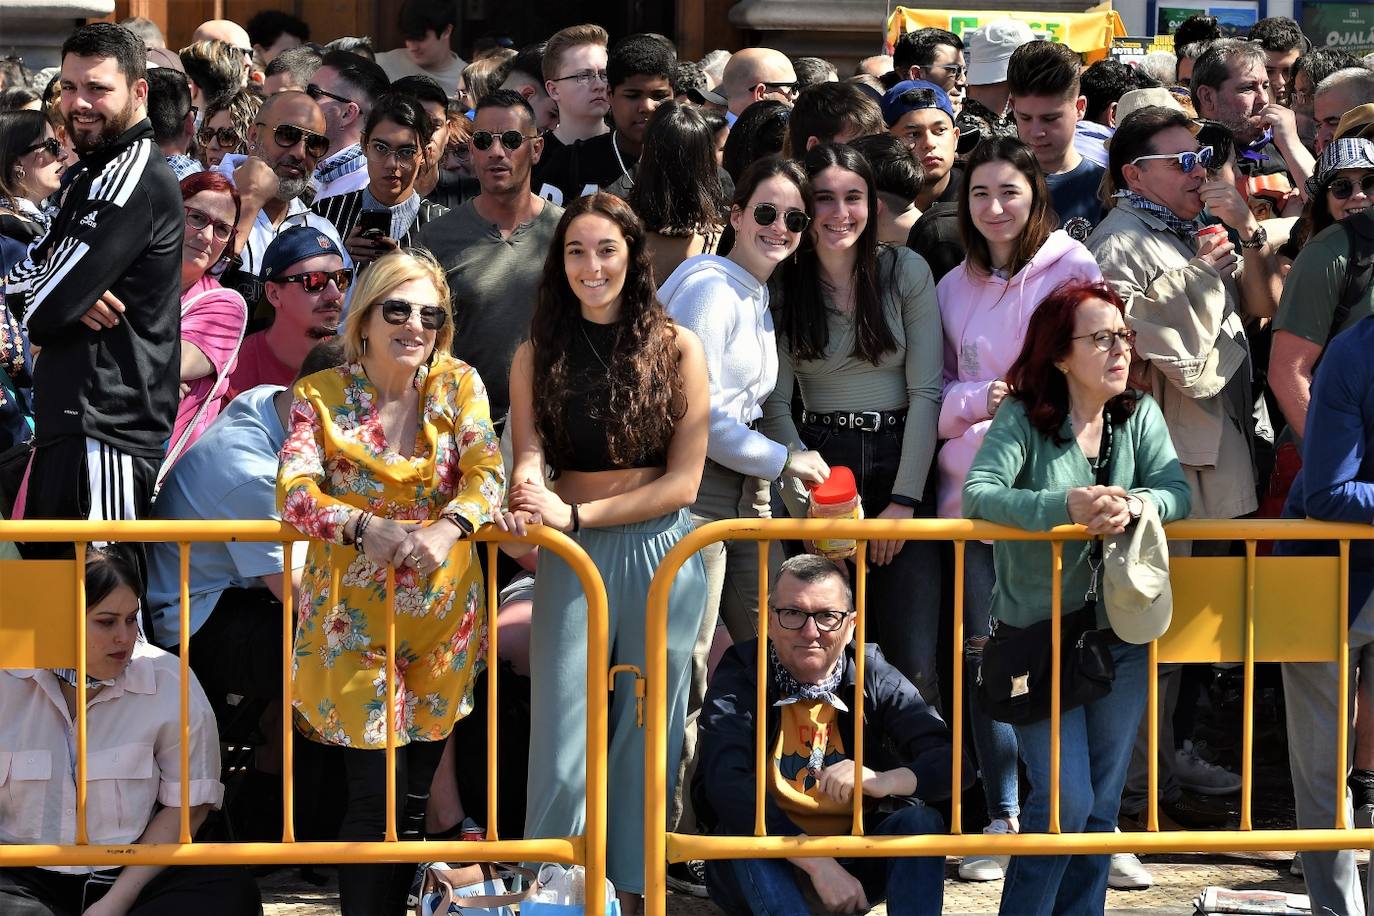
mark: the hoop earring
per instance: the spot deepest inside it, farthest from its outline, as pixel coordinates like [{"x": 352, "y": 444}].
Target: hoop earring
[{"x": 19, "y": 173}]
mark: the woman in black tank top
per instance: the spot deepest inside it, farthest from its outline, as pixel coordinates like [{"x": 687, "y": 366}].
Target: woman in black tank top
[{"x": 612, "y": 398}]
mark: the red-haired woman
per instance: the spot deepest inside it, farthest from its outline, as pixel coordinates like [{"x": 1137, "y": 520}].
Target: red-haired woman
[
  {"x": 212, "y": 317},
  {"x": 1070, "y": 410}
]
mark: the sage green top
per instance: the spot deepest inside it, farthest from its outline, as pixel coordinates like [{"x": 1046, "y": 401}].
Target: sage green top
[
  {"x": 910, "y": 376},
  {"x": 1021, "y": 478}
]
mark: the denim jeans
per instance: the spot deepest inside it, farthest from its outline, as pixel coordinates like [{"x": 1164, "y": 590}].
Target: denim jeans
[
  {"x": 994, "y": 742},
  {"x": 1095, "y": 747},
  {"x": 913, "y": 886},
  {"x": 904, "y": 596}
]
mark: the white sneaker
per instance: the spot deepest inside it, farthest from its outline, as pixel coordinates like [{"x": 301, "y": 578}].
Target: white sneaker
[
  {"x": 987, "y": 868},
  {"x": 1127, "y": 874},
  {"x": 1197, "y": 775}
]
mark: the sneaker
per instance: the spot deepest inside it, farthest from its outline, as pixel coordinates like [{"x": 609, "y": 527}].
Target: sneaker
[
  {"x": 1194, "y": 812},
  {"x": 1197, "y": 775},
  {"x": 688, "y": 877},
  {"x": 984, "y": 867},
  {"x": 1127, "y": 874},
  {"x": 1295, "y": 867}
]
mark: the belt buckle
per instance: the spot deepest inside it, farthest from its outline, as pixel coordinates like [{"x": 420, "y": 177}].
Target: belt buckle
[{"x": 877, "y": 420}]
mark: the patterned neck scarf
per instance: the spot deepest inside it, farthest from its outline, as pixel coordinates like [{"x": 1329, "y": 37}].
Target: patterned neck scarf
[
  {"x": 793, "y": 691},
  {"x": 344, "y": 162},
  {"x": 69, "y": 676},
  {"x": 1185, "y": 229}
]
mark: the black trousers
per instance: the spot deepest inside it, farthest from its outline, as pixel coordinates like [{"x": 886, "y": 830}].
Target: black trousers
[{"x": 205, "y": 890}]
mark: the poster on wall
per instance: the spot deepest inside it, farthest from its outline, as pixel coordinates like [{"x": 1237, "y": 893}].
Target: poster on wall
[
  {"x": 1234, "y": 16},
  {"x": 1347, "y": 26}
]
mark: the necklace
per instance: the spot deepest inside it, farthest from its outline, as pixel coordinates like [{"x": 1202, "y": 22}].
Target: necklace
[
  {"x": 615, "y": 148},
  {"x": 583, "y": 328}
]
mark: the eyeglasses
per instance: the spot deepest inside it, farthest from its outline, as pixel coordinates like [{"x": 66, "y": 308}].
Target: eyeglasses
[
  {"x": 315, "y": 281},
  {"x": 380, "y": 151},
  {"x": 1343, "y": 188},
  {"x": 828, "y": 621},
  {"x": 197, "y": 220},
  {"x": 1104, "y": 340},
  {"x": 788, "y": 89},
  {"x": 288, "y": 135},
  {"x": 246, "y": 52},
  {"x": 49, "y": 146},
  {"x": 512, "y": 140},
  {"x": 228, "y": 137},
  {"x": 398, "y": 311},
  {"x": 792, "y": 220},
  {"x": 315, "y": 92},
  {"x": 955, "y": 70},
  {"x": 1187, "y": 161},
  {"x": 585, "y": 77}
]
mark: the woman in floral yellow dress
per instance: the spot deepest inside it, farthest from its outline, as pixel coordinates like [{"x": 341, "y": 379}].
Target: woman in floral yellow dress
[{"x": 400, "y": 433}]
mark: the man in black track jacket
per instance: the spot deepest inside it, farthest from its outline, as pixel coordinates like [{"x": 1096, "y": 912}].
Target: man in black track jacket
[{"x": 100, "y": 297}]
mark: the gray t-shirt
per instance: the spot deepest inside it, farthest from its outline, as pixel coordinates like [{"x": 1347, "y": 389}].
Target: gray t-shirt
[{"x": 494, "y": 283}]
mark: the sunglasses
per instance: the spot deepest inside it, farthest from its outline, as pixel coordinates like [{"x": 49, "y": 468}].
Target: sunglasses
[
  {"x": 788, "y": 89},
  {"x": 1103, "y": 340},
  {"x": 1343, "y": 188},
  {"x": 228, "y": 137},
  {"x": 380, "y": 151},
  {"x": 398, "y": 311},
  {"x": 1187, "y": 161},
  {"x": 49, "y": 146},
  {"x": 197, "y": 220},
  {"x": 315, "y": 281},
  {"x": 316, "y": 93},
  {"x": 288, "y": 135},
  {"x": 792, "y": 220},
  {"x": 512, "y": 140}
]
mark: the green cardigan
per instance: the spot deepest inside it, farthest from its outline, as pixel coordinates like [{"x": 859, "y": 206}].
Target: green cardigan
[{"x": 1021, "y": 478}]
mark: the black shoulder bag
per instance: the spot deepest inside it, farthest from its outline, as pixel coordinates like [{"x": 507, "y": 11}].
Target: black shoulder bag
[{"x": 1014, "y": 673}]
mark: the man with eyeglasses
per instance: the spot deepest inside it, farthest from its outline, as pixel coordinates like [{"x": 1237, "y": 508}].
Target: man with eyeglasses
[
  {"x": 576, "y": 80},
  {"x": 493, "y": 247},
  {"x": 305, "y": 280},
  {"x": 935, "y": 56},
  {"x": 285, "y": 144},
  {"x": 345, "y": 87},
  {"x": 752, "y": 74},
  {"x": 812, "y": 701}
]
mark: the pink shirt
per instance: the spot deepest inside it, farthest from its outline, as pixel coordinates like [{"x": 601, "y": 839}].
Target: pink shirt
[
  {"x": 133, "y": 753},
  {"x": 259, "y": 366},
  {"x": 213, "y": 319}
]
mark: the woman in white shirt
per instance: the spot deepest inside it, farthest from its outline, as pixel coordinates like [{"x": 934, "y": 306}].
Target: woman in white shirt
[{"x": 133, "y": 769}]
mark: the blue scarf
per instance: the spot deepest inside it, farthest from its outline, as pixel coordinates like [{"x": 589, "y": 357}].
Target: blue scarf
[
  {"x": 1185, "y": 229},
  {"x": 793, "y": 691},
  {"x": 344, "y": 162}
]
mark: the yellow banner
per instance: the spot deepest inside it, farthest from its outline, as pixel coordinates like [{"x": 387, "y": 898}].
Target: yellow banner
[{"x": 1090, "y": 34}]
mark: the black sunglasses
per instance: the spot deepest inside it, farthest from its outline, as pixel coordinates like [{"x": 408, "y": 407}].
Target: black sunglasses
[
  {"x": 793, "y": 220},
  {"x": 288, "y": 135},
  {"x": 227, "y": 136},
  {"x": 512, "y": 140},
  {"x": 1343, "y": 188},
  {"x": 316, "y": 280},
  {"x": 398, "y": 311},
  {"x": 316, "y": 93},
  {"x": 49, "y": 146}
]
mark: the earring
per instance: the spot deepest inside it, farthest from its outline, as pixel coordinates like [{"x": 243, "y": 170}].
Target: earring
[
  {"x": 364, "y": 346},
  {"x": 19, "y": 172}
]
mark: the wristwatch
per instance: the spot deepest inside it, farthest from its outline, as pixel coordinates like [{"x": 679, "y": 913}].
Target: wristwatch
[
  {"x": 1255, "y": 241},
  {"x": 1136, "y": 505}
]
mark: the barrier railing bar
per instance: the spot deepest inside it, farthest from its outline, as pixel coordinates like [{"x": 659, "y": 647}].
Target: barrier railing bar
[
  {"x": 956, "y": 795},
  {"x": 761, "y": 693},
  {"x": 1056, "y": 643},
  {"x": 288, "y": 723},
  {"x": 857, "y": 750},
  {"x": 493, "y": 669},
  {"x": 390, "y": 712},
  {"x": 1343, "y": 678},
  {"x": 79, "y": 568},
  {"x": 184, "y": 562},
  {"x": 1247, "y": 735},
  {"x": 1152, "y": 745}
]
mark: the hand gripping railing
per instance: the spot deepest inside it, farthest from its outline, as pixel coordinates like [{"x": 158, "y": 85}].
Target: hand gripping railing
[
  {"x": 29, "y": 635},
  {"x": 1225, "y": 609}
]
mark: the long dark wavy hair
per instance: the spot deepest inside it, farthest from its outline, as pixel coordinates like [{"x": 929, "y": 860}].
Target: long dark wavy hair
[
  {"x": 677, "y": 189},
  {"x": 804, "y": 306},
  {"x": 647, "y": 397},
  {"x": 1034, "y": 378},
  {"x": 1042, "y": 219}
]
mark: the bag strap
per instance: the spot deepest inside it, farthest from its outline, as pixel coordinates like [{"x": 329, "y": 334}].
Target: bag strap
[
  {"x": 446, "y": 880},
  {"x": 1359, "y": 271},
  {"x": 1104, "y": 474}
]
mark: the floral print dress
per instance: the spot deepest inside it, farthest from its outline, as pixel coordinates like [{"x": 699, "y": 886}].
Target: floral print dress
[{"x": 336, "y": 459}]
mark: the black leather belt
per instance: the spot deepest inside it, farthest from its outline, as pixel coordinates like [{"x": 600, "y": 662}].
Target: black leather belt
[{"x": 868, "y": 421}]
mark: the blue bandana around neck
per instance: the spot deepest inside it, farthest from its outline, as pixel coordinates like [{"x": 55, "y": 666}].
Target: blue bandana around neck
[
  {"x": 344, "y": 162},
  {"x": 1185, "y": 229},
  {"x": 793, "y": 691}
]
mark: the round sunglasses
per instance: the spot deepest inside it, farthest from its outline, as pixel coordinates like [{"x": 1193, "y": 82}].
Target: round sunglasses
[
  {"x": 1344, "y": 188},
  {"x": 315, "y": 281},
  {"x": 398, "y": 311},
  {"x": 228, "y": 137},
  {"x": 792, "y": 220},
  {"x": 288, "y": 135},
  {"x": 512, "y": 140}
]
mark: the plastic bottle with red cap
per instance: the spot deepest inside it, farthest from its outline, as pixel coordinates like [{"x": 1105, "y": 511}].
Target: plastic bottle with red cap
[{"x": 838, "y": 497}]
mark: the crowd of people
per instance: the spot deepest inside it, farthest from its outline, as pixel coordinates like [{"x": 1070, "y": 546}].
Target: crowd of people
[{"x": 391, "y": 298}]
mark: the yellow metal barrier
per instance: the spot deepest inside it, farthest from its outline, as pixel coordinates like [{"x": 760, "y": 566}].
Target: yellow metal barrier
[
  {"x": 32, "y": 636},
  {"x": 1225, "y": 610}
]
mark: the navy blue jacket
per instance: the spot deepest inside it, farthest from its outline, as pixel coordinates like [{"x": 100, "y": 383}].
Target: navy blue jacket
[{"x": 900, "y": 730}]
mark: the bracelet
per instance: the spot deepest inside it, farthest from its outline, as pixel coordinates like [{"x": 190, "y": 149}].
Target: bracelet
[
  {"x": 360, "y": 531},
  {"x": 576, "y": 521}
]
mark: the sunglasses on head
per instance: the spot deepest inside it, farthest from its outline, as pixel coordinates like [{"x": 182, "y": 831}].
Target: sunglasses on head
[
  {"x": 1187, "y": 161},
  {"x": 398, "y": 311},
  {"x": 288, "y": 135},
  {"x": 512, "y": 140},
  {"x": 1344, "y": 188},
  {"x": 228, "y": 137},
  {"x": 49, "y": 146},
  {"x": 315, "y": 281},
  {"x": 792, "y": 220}
]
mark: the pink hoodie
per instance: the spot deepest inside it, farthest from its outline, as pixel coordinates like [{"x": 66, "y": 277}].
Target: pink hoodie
[{"x": 985, "y": 326}]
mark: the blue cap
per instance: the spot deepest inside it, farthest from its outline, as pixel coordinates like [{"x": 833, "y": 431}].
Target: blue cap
[
  {"x": 896, "y": 102},
  {"x": 295, "y": 245}
]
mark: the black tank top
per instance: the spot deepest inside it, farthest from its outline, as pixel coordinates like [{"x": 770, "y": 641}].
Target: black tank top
[{"x": 588, "y": 409}]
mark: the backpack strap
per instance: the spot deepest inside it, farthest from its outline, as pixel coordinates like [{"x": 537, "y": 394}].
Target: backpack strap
[{"x": 1359, "y": 270}]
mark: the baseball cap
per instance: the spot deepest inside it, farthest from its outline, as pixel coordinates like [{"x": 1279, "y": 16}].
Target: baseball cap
[
  {"x": 1355, "y": 122},
  {"x": 914, "y": 95},
  {"x": 163, "y": 57},
  {"x": 1135, "y": 578},
  {"x": 703, "y": 96},
  {"x": 295, "y": 245},
  {"x": 988, "y": 49}
]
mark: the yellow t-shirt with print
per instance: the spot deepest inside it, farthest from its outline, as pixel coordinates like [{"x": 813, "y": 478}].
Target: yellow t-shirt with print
[{"x": 805, "y": 726}]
